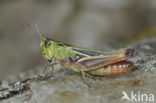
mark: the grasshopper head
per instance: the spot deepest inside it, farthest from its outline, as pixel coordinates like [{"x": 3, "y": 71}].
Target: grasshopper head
[
  {"x": 46, "y": 47},
  {"x": 52, "y": 48}
]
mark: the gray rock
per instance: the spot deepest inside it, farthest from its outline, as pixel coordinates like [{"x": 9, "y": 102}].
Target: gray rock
[{"x": 65, "y": 86}]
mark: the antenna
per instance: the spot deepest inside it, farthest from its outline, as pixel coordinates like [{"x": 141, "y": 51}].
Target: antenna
[{"x": 39, "y": 33}]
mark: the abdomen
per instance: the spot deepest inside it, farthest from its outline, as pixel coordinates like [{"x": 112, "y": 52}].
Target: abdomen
[{"x": 114, "y": 69}]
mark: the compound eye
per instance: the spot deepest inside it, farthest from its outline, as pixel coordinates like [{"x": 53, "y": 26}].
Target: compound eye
[{"x": 47, "y": 43}]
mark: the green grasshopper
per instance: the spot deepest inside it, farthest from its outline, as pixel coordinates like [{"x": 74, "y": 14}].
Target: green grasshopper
[{"x": 88, "y": 62}]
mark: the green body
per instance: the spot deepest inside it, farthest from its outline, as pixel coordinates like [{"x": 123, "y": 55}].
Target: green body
[
  {"x": 60, "y": 52},
  {"x": 63, "y": 50}
]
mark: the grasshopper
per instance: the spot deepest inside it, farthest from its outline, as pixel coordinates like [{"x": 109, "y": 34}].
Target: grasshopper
[{"x": 88, "y": 62}]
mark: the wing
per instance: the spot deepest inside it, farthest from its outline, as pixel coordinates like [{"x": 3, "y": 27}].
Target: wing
[
  {"x": 92, "y": 52},
  {"x": 94, "y": 59}
]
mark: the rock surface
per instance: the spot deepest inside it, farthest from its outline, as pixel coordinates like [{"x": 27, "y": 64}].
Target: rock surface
[{"x": 65, "y": 86}]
